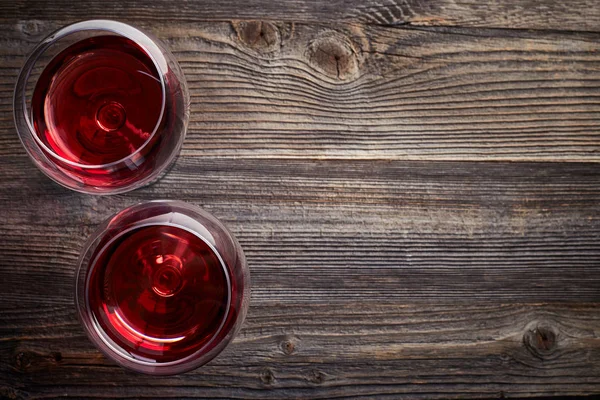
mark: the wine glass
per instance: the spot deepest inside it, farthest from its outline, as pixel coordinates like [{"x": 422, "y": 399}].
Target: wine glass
[
  {"x": 162, "y": 287},
  {"x": 101, "y": 107}
]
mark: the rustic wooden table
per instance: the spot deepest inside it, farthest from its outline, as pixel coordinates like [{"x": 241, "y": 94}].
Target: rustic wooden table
[{"x": 416, "y": 184}]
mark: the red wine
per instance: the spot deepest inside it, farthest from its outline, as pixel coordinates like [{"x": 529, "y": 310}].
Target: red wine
[
  {"x": 98, "y": 101},
  {"x": 159, "y": 292},
  {"x": 162, "y": 287}
]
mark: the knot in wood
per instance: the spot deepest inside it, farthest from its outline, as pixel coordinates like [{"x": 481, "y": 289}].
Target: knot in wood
[
  {"x": 541, "y": 340},
  {"x": 261, "y": 36},
  {"x": 56, "y": 356},
  {"x": 32, "y": 28},
  {"x": 7, "y": 392},
  {"x": 29, "y": 360},
  {"x": 334, "y": 55},
  {"x": 267, "y": 377},
  {"x": 316, "y": 376},
  {"x": 288, "y": 346},
  {"x": 23, "y": 360}
]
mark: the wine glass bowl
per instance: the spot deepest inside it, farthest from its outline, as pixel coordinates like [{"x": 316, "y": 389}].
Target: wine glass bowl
[
  {"x": 162, "y": 287},
  {"x": 101, "y": 107}
]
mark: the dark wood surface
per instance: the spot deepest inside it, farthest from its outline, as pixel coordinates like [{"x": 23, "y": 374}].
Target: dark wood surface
[{"x": 416, "y": 185}]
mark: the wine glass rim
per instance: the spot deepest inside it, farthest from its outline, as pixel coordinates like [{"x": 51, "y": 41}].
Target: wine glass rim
[
  {"x": 119, "y": 28},
  {"x": 113, "y": 349}
]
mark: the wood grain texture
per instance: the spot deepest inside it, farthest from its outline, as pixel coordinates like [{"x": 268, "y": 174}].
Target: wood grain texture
[
  {"x": 373, "y": 278},
  {"x": 331, "y": 351},
  {"x": 574, "y": 15},
  {"x": 415, "y": 185},
  {"x": 348, "y": 91},
  {"x": 373, "y": 231}
]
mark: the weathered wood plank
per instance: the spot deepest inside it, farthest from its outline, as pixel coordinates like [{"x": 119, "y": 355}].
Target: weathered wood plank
[
  {"x": 353, "y": 91},
  {"x": 340, "y": 231},
  {"x": 574, "y": 15},
  {"x": 344, "y": 144},
  {"x": 330, "y": 351}
]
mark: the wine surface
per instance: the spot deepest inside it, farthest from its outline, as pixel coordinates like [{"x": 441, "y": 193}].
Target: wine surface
[
  {"x": 98, "y": 101},
  {"x": 159, "y": 293}
]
